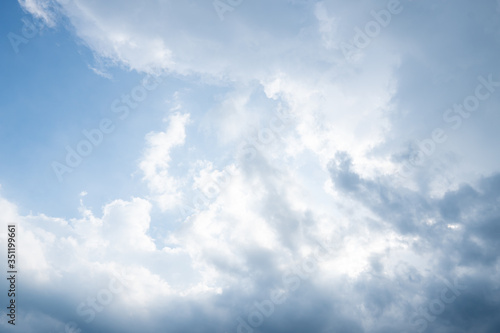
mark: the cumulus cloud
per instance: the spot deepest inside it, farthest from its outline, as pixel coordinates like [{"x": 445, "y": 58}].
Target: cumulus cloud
[
  {"x": 156, "y": 160},
  {"x": 300, "y": 154}
]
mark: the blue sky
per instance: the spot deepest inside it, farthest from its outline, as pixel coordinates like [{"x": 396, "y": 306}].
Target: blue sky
[{"x": 252, "y": 166}]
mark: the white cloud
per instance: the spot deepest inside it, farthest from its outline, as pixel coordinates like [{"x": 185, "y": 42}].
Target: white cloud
[
  {"x": 298, "y": 188},
  {"x": 125, "y": 225},
  {"x": 327, "y": 26},
  {"x": 164, "y": 188},
  {"x": 40, "y": 9}
]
